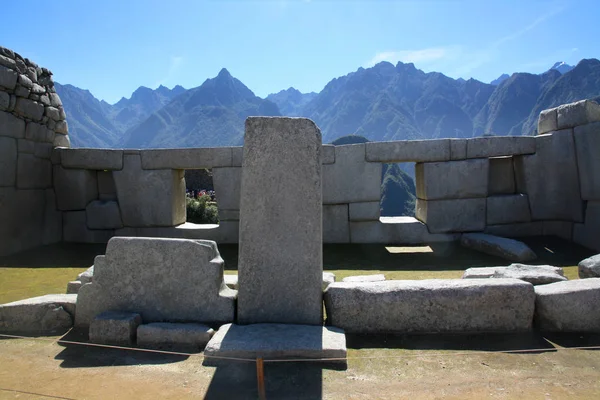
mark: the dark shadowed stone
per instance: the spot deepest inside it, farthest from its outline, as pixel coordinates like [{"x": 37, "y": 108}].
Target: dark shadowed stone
[
  {"x": 590, "y": 267},
  {"x": 509, "y": 249}
]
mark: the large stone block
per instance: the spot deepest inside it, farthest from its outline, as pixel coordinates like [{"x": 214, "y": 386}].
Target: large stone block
[
  {"x": 51, "y": 314},
  {"x": 452, "y": 179},
  {"x": 550, "y": 178},
  {"x": 590, "y": 267},
  {"x": 98, "y": 159},
  {"x": 588, "y": 234},
  {"x": 33, "y": 172},
  {"x": 509, "y": 249},
  {"x": 501, "y": 176},
  {"x": 115, "y": 328},
  {"x": 431, "y": 306},
  {"x": 106, "y": 186},
  {"x": 227, "y": 183},
  {"x": 523, "y": 229},
  {"x": 458, "y": 149},
  {"x": 395, "y": 230},
  {"x": 8, "y": 77},
  {"x": 578, "y": 113},
  {"x": 36, "y": 132},
  {"x": 8, "y": 161},
  {"x": 187, "y": 158},
  {"x": 281, "y": 227},
  {"x": 500, "y": 146},
  {"x": 351, "y": 179},
  {"x": 570, "y": 306},
  {"x": 368, "y": 211},
  {"x": 328, "y": 154},
  {"x": 52, "y": 220},
  {"x": 336, "y": 228},
  {"x": 276, "y": 341},
  {"x": 587, "y": 145},
  {"x": 534, "y": 274},
  {"x": 461, "y": 215},
  {"x": 75, "y": 229},
  {"x": 547, "y": 121},
  {"x": 29, "y": 109},
  {"x": 103, "y": 215},
  {"x": 74, "y": 188},
  {"x": 150, "y": 198},
  {"x": 11, "y": 126},
  {"x": 173, "y": 335},
  {"x": 508, "y": 209},
  {"x": 22, "y": 216},
  {"x": 408, "y": 151},
  {"x": 164, "y": 280},
  {"x": 237, "y": 155}
]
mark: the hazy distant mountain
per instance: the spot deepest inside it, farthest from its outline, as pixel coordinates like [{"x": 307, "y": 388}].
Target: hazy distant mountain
[
  {"x": 562, "y": 67},
  {"x": 210, "y": 115},
  {"x": 499, "y": 79},
  {"x": 291, "y": 101}
]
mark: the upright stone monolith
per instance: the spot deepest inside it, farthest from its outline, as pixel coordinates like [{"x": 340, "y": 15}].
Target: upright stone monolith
[{"x": 280, "y": 251}]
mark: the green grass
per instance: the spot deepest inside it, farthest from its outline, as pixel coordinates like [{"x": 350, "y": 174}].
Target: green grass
[{"x": 21, "y": 283}]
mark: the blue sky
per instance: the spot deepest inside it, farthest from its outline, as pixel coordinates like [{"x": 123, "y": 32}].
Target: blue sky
[{"x": 112, "y": 47}]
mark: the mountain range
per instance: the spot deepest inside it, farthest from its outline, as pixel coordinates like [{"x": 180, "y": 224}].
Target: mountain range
[{"x": 384, "y": 102}]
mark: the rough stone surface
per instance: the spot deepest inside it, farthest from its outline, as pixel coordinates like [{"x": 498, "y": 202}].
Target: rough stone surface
[
  {"x": 173, "y": 335},
  {"x": 458, "y": 149},
  {"x": 103, "y": 215},
  {"x": 570, "y": 306},
  {"x": 86, "y": 276},
  {"x": 578, "y": 113},
  {"x": 281, "y": 234},
  {"x": 524, "y": 229},
  {"x": 590, "y": 267},
  {"x": 508, "y": 209},
  {"x": 351, "y": 179},
  {"x": 75, "y": 188},
  {"x": 587, "y": 143},
  {"x": 452, "y": 180},
  {"x": 29, "y": 109},
  {"x": 561, "y": 229},
  {"x": 150, "y": 198},
  {"x": 8, "y": 161},
  {"x": 237, "y": 155},
  {"x": 115, "y": 327},
  {"x": 73, "y": 287},
  {"x": 501, "y": 176},
  {"x": 500, "y": 146},
  {"x": 276, "y": 341},
  {"x": 336, "y": 228},
  {"x": 11, "y": 126},
  {"x": 588, "y": 234},
  {"x": 461, "y": 215},
  {"x": 8, "y": 77},
  {"x": 328, "y": 154},
  {"x": 162, "y": 279},
  {"x": 365, "y": 278},
  {"x": 509, "y": 249},
  {"x": 557, "y": 198},
  {"x": 227, "y": 183},
  {"x": 22, "y": 219},
  {"x": 433, "y": 305},
  {"x": 396, "y": 230},
  {"x": 33, "y": 172},
  {"x": 61, "y": 140},
  {"x": 52, "y": 228},
  {"x": 98, "y": 159},
  {"x": 547, "y": 121},
  {"x": 106, "y": 186},
  {"x": 44, "y": 315},
  {"x": 75, "y": 229},
  {"x": 405, "y": 151},
  {"x": 187, "y": 158},
  {"x": 369, "y": 211},
  {"x": 534, "y": 274},
  {"x": 328, "y": 279}
]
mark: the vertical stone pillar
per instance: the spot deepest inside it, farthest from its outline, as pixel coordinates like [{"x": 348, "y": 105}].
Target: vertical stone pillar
[{"x": 280, "y": 249}]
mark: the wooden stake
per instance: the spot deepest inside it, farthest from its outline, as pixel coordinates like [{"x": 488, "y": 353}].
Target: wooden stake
[{"x": 260, "y": 377}]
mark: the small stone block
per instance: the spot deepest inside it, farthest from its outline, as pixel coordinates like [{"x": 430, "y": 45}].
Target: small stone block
[
  {"x": 161, "y": 335},
  {"x": 73, "y": 287},
  {"x": 113, "y": 327}
]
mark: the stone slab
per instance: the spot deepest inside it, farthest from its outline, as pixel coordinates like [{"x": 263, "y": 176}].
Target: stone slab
[
  {"x": 396, "y": 230},
  {"x": 408, "y": 151},
  {"x": 209, "y": 157},
  {"x": 365, "y": 278},
  {"x": 557, "y": 198},
  {"x": 44, "y": 315},
  {"x": 103, "y": 215},
  {"x": 276, "y": 342},
  {"x": 164, "y": 280},
  {"x": 74, "y": 188},
  {"x": 508, "y": 209},
  {"x": 431, "y": 306},
  {"x": 570, "y": 306},
  {"x": 149, "y": 198},
  {"x": 534, "y": 274},
  {"x": 97, "y": 159},
  {"x": 452, "y": 179},
  {"x": 369, "y": 211},
  {"x": 578, "y": 113},
  {"x": 458, "y": 149},
  {"x": 484, "y": 147},
  {"x": 8, "y": 161},
  {"x": 281, "y": 233},
  {"x": 336, "y": 228},
  {"x": 165, "y": 335},
  {"x": 115, "y": 328},
  {"x": 501, "y": 176},
  {"x": 590, "y": 267},
  {"x": 227, "y": 183},
  {"x": 547, "y": 121},
  {"x": 460, "y": 215},
  {"x": 509, "y": 249},
  {"x": 587, "y": 144},
  {"x": 351, "y": 179}
]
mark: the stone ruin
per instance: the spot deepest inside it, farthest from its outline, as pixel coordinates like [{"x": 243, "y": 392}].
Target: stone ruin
[{"x": 170, "y": 290}]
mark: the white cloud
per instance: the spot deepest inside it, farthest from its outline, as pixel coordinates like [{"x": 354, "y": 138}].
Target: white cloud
[{"x": 421, "y": 57}]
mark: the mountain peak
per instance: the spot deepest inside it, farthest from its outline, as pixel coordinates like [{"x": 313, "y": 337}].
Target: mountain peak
[
  {"x": 562, "y": 67},
  {"x": 223, "y": 73}
]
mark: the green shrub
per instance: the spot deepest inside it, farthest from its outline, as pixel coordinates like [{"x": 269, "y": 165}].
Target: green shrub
[{"x": 201, "y": 210}]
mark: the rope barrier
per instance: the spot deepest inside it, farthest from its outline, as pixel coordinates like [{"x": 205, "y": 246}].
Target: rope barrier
[{"x": 36, "y": 394}]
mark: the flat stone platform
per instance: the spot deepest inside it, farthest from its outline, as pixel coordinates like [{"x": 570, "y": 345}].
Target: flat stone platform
[{"x": 275, "y": 342}]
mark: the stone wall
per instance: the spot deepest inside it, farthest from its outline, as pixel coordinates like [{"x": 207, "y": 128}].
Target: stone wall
[{"x": 32, "y": 123}]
